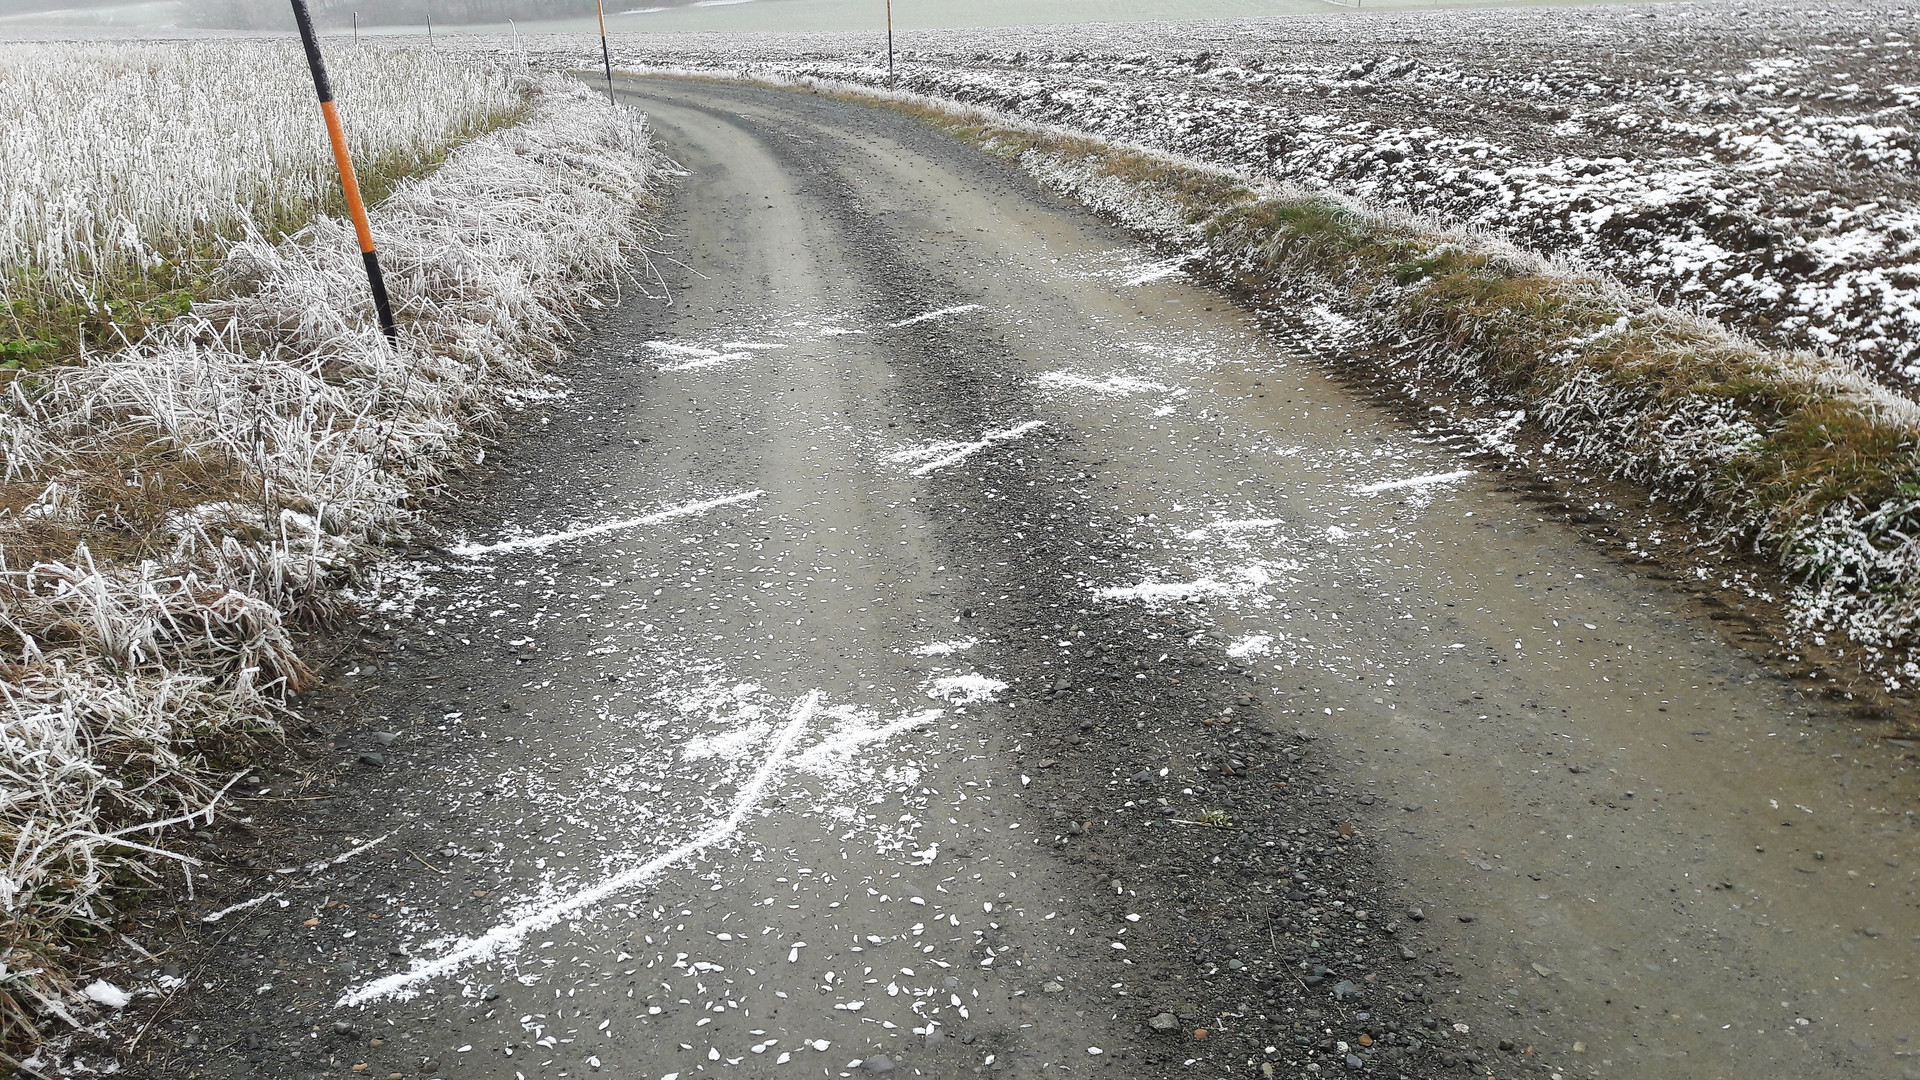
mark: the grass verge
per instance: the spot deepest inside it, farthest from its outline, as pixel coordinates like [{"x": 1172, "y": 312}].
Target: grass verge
[{"x": 184, "y": 507}]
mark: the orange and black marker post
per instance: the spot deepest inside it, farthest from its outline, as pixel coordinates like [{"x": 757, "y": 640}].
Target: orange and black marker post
[
  {"x": 605, "y": 56},
  {"x": 348, "y": 184}
]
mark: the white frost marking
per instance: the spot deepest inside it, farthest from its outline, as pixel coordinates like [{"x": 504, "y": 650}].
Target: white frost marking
[
  {"x": 674, "y": 348},
  {"x": 1156, "y": 272},
  {"x": 699, "y": 356},
  {"x": 1251, "y": 645},
  {"x": 1253, "y": 578},
  {"x": 830, "y": 752},
  {"x": 509, "y": 938},
  {"x": 703, "y": 362},
  {"x": 1111, "y": 386},
  {"x": 241, "y": 906},
  {"x": 946, "y": 648},
  {"x": 1413, "y": 481},
  {"x": 929, "y": 316},
  {"x": 1233, "y": 528},
  {"x": 964, "y": 689},
  {"x": 321, "y": 864},
  {"x": 727, "y": 744},
  {"x": 541, "y": 543},
  {"x": 942, "y": 454}
]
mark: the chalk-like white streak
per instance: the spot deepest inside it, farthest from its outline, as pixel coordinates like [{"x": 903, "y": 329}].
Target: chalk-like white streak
[
  {"x": 942, "y": 454},
  {"x": 1253, "y": 578},
  {"x": 509, "y": 937},
  {"x": 674, "y": 348},
  {"x": 318, "y": 865},
  {"x": 241, "y": 906},
  {"x": 946, "y": 648},
  {"x": 929, "y": 316},
  {"x": 1167, "y": 592},
  {"x": 1157, "y": 271},
  {"x": 704, "y": 362},
  {"x": 830, "y": 752},
  {"x": 1111, "y": 385},
  {"x": 1251, "y": 645},
  {"x": 1413, "y": 481},
  {"x": 1234, "y": 528},
  {"x": 965, "y": 689},
  {"x": 541, "y": 543}
]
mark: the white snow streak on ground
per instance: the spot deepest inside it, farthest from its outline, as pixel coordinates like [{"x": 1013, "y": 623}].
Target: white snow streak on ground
[
  {"x": 832, "y": 754},
  {"x": 1115, "y": 385},
  {"x": 964, "y": 689},
  {"x": 1158, "y": 271},
  {"x": 243, "y": 905},
  {"x": 942, "y": 454},
  {"x": 509, "y": 937},
  {"x": 946, "y": 648},
  {"x": 1232, "y": 529},
  {"x": 929, "y": 316},
  {"x": 1252, "y": 578},
  {"x": 1413, "y": 482},
  {"x": 541, "y": 543},
  {"x": 701, "y": 356},
  {"x": 318, "y": 865},
  {"x": 1251, "y": 645}
]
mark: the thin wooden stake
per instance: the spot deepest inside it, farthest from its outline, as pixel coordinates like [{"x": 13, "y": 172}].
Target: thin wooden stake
[
  {"x": 605, "y": 56},
  {"x": 348, "y": 185},
  {"x": 889, "y": 41}
]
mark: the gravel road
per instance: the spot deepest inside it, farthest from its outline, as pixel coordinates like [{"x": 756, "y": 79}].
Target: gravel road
[{"x": 942, "y": 639}]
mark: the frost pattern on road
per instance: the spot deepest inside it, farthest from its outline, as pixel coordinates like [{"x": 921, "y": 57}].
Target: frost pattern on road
[
  {"x": 541, "y": 543},
  {"x": 930, "y": 316},
  {"x": 964, "y": 689},
  {"x": 1115, "y": 385},
  {"x": 1157, "y": 272},
  {"x": 510, "y": 936},
  {"x": 936, "y": 456},
  {"x": 680, "y": 356},
  {"x": 1235, "y": 529},
  {"x": 1414, "y": 482},
  {"x": 1245, "y": 581},
  {"x": 1251, "y": 645},
  {"x": 946, "y": 648}
]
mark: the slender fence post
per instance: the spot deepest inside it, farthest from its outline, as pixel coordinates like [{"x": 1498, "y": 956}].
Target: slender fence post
[
  {"x": 889, "y": 41},
  {"x": 356, "y": 28},
  {"x": 323, "y": 87},
  {"x": 605, "y": 56}
]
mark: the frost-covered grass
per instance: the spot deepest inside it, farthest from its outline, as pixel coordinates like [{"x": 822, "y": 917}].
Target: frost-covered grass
[
  {"x": 127, "y": 168},
  {"x": 176, "y": 511}
]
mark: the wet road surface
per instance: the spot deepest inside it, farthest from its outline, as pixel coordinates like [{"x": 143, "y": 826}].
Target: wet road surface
[{"x": 943, "y": 639}]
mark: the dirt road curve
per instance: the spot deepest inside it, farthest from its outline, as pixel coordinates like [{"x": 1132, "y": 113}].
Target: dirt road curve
[{"x": 945, "y": 639}]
